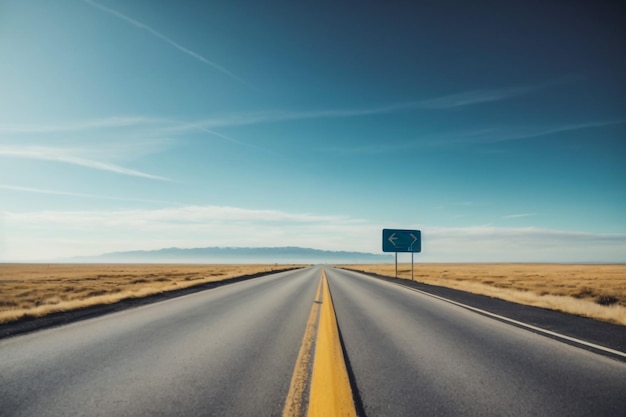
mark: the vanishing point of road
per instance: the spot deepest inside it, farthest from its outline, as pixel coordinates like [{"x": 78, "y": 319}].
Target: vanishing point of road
[{"x": 317, "y": 341}]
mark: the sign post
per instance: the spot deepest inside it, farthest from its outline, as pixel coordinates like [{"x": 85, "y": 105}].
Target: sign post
[{"x": 398, "y": 240}]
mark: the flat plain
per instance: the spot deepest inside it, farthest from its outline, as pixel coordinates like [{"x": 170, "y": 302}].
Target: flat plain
[
  {"x": 34, "y": 290},
  {"x": 596, "y": 291}
]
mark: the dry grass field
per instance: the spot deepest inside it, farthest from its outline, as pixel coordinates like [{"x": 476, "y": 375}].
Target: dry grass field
[
  {"x": 33, "y": 290},
  {"x": 597, "y": 291}
]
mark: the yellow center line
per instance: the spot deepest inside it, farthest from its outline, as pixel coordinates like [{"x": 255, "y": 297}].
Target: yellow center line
[
  {"x": 326, "y": 382},
  {"x": 296, "y": 398},
  {"x": 330, "y": 394}
]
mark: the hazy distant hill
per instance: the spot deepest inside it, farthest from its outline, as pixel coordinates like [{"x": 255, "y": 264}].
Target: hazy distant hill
[{"x": 237, "y": 255}]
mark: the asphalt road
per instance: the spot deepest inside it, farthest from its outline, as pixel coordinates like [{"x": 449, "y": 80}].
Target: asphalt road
[
  {"x": 413, "y": 355},
  {"x": 230, "y": 351}
]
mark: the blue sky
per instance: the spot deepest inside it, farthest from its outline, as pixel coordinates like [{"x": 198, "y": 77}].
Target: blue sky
[{"x": 497, "y": 128}]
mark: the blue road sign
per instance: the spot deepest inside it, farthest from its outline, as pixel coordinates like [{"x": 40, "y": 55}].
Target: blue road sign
[{"x": 402, "y": 240}]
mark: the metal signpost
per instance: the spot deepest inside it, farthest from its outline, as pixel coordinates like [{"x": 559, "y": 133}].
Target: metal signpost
[{"x": 396, "y": 240}]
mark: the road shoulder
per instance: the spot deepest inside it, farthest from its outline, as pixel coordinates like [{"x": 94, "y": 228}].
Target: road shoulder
[{"x": 589, "y": 330}]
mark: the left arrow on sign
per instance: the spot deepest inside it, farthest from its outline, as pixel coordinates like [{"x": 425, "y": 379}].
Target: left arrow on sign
[{"x": 393, "y": 239}]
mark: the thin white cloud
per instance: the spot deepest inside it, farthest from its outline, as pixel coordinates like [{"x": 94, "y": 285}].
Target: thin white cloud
[
  {"x": 274, "y": 116},
  {"x": 521, "y": 234},
  {"x": 154, "y": 127},
  {"x": 164, "y": 126},
  {"x": 475, "y": 137},
  {"x": 517, "y": 216},
  {"x": 492, "y": 135},
  {"x": 139, "y": 128},
  {"x": 528, "y": 244},
  {"x": 164, "y": 38},
  {"x": 141, "y": 134},
  {"x": 68, "y": 157},
  {"x": 149, "y": 133},
  {"x": 197, "y": 218},
  {"x": 189, "y": 219},
  {"x": 81, "y": 195},
  {"x": 466, "y": 98},
  {"x": 236, "y": 141},
  {"x": 168, "y": 125},
  {"x": 28, "y": 234},
  {"x": 487, "y": 134},
  {"x": 95, "y": 124},
  {"x": 469, "y": 98}
]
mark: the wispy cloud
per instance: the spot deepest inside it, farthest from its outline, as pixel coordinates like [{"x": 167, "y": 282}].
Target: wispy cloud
[
  {"x": 190, "y": 217},
  {"x": 274, "y": 116},
  {"x": 83, "y": 232},
  {"x": 85, "y": 125},
  {"x": 469, "y": 98},
  {"x": 159, "y": 129},
  {"x": 523, "y": 244},
  {"x": 236, "y": 141},
  {"x": 461, "y": 99},
  {"x": 471, "y": 137},
  {"x": 92, "y": 232},
  {"x": 165, "y": 126},
  {"x": 169, "y": 41},
  {"x": 500, "y": 134},
  {"x": 169, "y": 125},
  {"x": 81, "y": 195},
  {"x": 129, "y": 132},
  {"x": 521, "y": 234},
  {"x": 517, "y": 216},
  {"x": 69, "y": 157}
]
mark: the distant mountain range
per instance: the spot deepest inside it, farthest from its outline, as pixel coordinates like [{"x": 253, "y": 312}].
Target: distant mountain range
[{"x": 280, "y": 255}]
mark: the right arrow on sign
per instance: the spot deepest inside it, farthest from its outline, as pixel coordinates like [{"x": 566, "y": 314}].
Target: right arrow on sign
[{"x": 397, "y": 240}]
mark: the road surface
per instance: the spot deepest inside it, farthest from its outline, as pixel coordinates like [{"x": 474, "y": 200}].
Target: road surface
[
  {"x": 413, "y": 355},
  {"x": 231, "y": 351}
]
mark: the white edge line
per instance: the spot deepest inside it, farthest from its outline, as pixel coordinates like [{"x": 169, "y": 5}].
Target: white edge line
[
  {"x": 518, "y": 323},
  {"x": 522, "y": 324}
]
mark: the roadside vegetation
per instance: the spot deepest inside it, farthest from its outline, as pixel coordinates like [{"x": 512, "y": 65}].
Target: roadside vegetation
[
  {"x": 596, "y": 291},
  {"x": 34, "y": 290}
]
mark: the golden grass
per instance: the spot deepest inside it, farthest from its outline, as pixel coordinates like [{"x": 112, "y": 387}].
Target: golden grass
[
  {"x": 34, "y": 290},
  {"x": 596, "y": 291}
]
